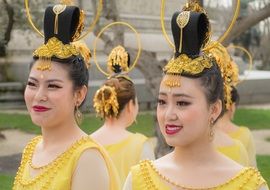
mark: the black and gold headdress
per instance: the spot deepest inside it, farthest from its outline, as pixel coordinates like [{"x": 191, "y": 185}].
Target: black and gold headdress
[
  {"x": 118, "y": 66},
  {"x": 191, "y": 33},
  {"x": 190, "y": 29},
  {"x": 194, "y": 6},
  {"x": 63, "y": 25}
]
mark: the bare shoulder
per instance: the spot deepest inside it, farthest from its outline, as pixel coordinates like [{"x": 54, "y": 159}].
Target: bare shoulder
[
  {"x": 90, "y": 170},
  {"x": 91, "y": 154},
  {"x": 229, "y": 164},
  {"x": 92, "y": 161}
]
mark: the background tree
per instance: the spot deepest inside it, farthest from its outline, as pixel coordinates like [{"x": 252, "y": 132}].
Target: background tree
[{"x": 13, "y": 18}]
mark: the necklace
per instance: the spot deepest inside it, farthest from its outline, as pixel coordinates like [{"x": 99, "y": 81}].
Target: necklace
[
  {"x": 144, "y": 165},
  {"x": 48, "y": 171}
]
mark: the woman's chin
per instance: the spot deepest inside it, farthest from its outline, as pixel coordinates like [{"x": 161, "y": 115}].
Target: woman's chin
[{"x": 39, "y": 121}]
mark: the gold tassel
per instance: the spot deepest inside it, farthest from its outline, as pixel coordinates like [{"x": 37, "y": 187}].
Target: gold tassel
[
  {"x": 172, "y": 81},
  {"x": 44, "y": 64}
]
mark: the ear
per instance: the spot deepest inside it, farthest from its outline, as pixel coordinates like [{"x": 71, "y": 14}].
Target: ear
[
  {"x": 232, "y": 111},
  {"x": 216, "y": 109},
  {"x": 129, "y": 106},
  {"x": 80, "y": 94}
]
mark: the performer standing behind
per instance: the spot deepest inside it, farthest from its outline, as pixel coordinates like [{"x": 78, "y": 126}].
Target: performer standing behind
[
  {"x": 117, "y": 104},
  {"x": 241, "y": 133},
  {"x": 233, "y": 148},
  {"x": 229, "y": 71},
  {"x": 64, "y": 157},
  {"x": 190, "y": 102}
]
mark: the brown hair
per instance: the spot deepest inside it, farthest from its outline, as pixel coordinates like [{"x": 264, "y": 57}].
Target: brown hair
[{"x": 125, "y": 91}]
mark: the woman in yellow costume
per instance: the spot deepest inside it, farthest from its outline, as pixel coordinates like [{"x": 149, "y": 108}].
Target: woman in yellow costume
[
  {"x": 117, "y": 104},
  {"x": 229, "y": 71},
  {"x": 64, "y": 157},
  {"x": 190, "y": 102},
  {"x": 241, "y": 133}
]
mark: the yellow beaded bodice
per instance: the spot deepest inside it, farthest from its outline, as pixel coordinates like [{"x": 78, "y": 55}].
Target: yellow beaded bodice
[
  {"x": 56, "y": 175},
  {"x": 146, "y": 177}
]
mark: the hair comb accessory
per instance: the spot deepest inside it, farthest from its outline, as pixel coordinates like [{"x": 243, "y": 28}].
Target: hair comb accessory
[
  {"x": 117, "y": 53},
  {"x": 107, "y": 104},
  {"x": 84, "y": 51},
  {"x": 228, "y": 68},
  {"x": 249, "y": 57},
  {"x": 120, "y": 58}
]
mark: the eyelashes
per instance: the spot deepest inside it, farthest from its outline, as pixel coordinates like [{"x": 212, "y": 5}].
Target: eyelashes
[
  {"x": 29, "y": 83},
  {"x": 183, "y": 103},
  {"x": 54, "y": 86},
  {"x": 161, "y": 102},
  {"x": 50, "y": 86}
]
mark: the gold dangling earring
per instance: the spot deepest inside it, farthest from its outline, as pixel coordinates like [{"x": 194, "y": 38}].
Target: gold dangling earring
[
  {"x": 78, "y": 115},
  {"x": 211, "y": 132}
]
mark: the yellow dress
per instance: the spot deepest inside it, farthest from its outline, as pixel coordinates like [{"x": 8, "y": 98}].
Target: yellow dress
[
  {"x": 57, "y": 175},
  {"x": 126, "y": 153},
  {"x": 244, "y": 135},
  {"x": 146, "y": 177},
  {"x": 236, "y": 152}
]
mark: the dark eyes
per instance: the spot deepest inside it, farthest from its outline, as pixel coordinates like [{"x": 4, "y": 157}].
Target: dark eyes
[
  {"x": 52, "y": 86},
  {"x": 161, "y": 102},
  {"x": 31, "y": 83},
  {"x": 179, "y": 103},
  {"x": 183, "y": 103}
]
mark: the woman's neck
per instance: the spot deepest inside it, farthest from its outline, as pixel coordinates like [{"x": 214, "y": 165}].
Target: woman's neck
[
  {"x": 112, "y": 131},
  {"x": 194, "y": 154},
  {"x": 65, "y": 132},
  {"x": 115, "y": 123}
]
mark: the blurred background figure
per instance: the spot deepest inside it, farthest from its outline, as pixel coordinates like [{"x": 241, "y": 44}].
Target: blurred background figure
[{"x": 116, "y": 102}]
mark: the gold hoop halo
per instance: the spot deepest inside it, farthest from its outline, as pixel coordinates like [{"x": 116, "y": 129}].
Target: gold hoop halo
[
  {"x": 90, "y": 28},
  {"x": 100, "y": 33},
  {"x": 249, "y": 56},
  {"x": 221, "y": 38}
]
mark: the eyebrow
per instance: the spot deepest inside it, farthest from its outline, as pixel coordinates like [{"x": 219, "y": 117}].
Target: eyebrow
[
  {"x": 51, "y": 80},
  {"x": 176, "y": 95}
]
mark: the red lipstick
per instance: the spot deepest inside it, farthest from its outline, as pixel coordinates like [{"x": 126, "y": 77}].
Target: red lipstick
[
  {"x": 172, "y": 129},
  {"x": 38, "y": 108}
]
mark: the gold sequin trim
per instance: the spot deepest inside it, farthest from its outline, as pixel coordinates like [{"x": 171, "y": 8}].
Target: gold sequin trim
[
  {"x": 55, "y": 47},
  {"x": 249, "y": 172},
  {"x": 184, "y": 64},
  {"x": 48, "y": 172}
]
